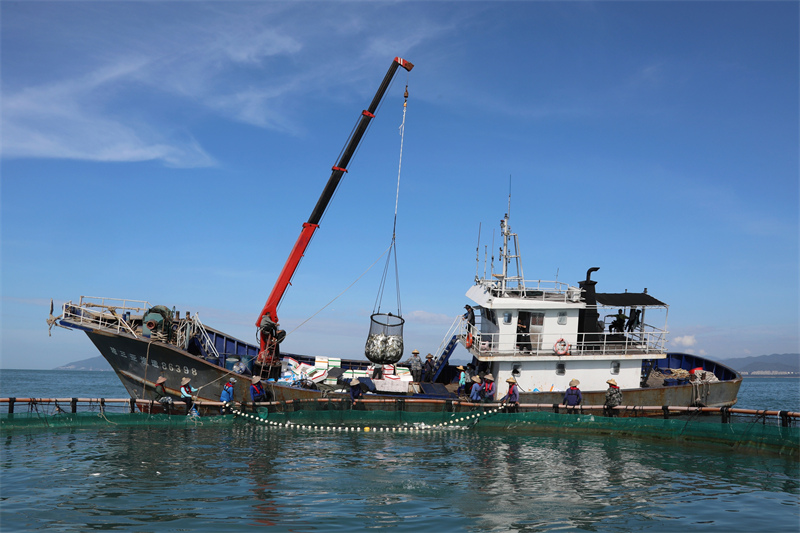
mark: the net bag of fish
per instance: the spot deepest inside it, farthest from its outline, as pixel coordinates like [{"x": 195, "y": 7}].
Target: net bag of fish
[{"x": 385, "y": 341}]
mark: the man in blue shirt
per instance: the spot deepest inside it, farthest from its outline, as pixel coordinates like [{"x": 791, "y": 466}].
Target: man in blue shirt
[
  {"x": 475, "y": 392},
  {"x": 227, "y": 395}
]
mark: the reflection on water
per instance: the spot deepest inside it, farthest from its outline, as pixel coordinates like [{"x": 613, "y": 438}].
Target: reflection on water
[{"x": 242, "y": 476}]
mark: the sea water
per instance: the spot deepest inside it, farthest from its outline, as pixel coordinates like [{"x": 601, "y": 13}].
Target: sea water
[{"x": 240, "y": 476}]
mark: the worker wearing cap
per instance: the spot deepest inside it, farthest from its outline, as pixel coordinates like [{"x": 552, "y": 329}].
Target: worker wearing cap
[{"x": 227, "y": 394}]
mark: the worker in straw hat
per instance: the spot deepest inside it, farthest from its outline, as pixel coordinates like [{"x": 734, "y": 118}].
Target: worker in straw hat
[
  {"x": 613, "y": 398},
  {"x": 427, "y": 369},
  {"x": 257, "y": 392},
  {"x": 573, "y": 396},
  {"x": 487, "y": 389},
  {"x": 161, "y": 394},
  {"x": 355, "y": 389},
  {"x": 475, "y": 391},
  {"x": 511, "y": 399},
  {"x": 415, "y": 364},
  {"x": 187, "y": 393},
  {"x": 462, "y": 380}
]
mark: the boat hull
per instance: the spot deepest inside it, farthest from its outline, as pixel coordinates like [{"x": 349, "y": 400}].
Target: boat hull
[{"x": 139, "y": 362}]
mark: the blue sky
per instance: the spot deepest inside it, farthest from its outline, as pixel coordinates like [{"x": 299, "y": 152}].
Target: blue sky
[{"x": 170, "y": 152}]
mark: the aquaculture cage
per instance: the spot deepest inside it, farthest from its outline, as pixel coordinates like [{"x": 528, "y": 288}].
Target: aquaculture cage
[{"x": 385, "y": 341}]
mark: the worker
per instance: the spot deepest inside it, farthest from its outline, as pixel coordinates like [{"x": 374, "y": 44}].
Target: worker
[
  {"x": 487, "y": 392},
  {"x": 187, "y": 391},
  {"x": 227, "y": 395},
  {"x": 469, "y": 316},
  {"x": 511, "y": 400},
  {"x": 415, "y": 364},
  {"x": 462, "y": 380},
  {"x": 257, "y": 392},
  {"x": 613, "y": 398},
  {"x": 573, "y": 396},
  {"x": 355, "y": 389},
  {"x": 427, "y": 369},
  {"x": 475, "y": 391},
  {"x": 161, "y": 394}
]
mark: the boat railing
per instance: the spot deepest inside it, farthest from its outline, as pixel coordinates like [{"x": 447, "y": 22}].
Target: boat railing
[
  {"x": 551, "y": 291},
  {"x": 111, "y": 313},
  {"x": 645, "y": 340},
  {"x": 194, "y": 327}
]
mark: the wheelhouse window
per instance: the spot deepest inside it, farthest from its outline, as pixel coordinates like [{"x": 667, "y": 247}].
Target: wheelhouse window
[
  {"x": 507, "y": 317},
  {"x": 561, "y": 369},
  {"x": 615, "y": 367}
]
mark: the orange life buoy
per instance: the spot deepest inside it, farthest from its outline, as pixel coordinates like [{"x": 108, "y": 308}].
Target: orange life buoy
[{"x": 561, "y": 347}]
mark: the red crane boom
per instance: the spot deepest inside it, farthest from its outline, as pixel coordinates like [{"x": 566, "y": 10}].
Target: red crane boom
[{"x": 338, "y": 170}]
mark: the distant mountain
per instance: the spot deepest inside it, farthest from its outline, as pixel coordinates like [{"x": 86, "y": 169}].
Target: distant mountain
[
  {"x": 92, "y": 364},
  {"x": 773, "y": 364}
]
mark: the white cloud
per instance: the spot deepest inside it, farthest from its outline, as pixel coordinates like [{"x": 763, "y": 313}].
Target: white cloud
[{"x": 685, "y": 341}]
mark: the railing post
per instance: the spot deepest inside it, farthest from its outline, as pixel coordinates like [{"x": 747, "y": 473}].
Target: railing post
[
  {"x": 102, "y": 405},
  {"x": 133, "y": 405},
  {"x": 74, "y": 405},
  {"x": 11, "y": 405},
  {"x": 784, "y": 418},
  {"x": 665, "y": 408}
]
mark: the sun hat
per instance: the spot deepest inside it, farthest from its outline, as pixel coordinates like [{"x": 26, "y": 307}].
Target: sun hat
[
  {"x": 511, "y": 380},
  {"x": 489, "y": 377},
  {"x": 184, "y": 381},
  {"x": 232, "y": 380},
  {"x": 161, "y": 379},
  {"x": 574, "y": 383},
  {"x": 612, "y": 382},
  {"x": 429, "y": 356},
  {"x": 459, "y": 367},
  {"x": 355, "y": 382},
  {"x": 415, "y": 351},
  {"x": 256, "y": 379},
  {"x": 476, "y": 379}
]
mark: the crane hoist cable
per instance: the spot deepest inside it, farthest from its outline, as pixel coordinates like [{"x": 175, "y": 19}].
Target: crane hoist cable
[
  {"x": 393, "y": 246},
  {"x": 385, "y": 341}
]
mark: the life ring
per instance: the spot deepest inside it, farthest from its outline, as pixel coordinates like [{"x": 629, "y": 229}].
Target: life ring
[{"x": 561, "y": 347}]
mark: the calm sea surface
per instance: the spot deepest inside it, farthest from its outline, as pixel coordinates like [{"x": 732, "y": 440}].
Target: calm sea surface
[{"x": 241, "y": 477}]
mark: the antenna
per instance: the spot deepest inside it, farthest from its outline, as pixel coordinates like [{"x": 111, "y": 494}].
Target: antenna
[
  {"x": 509, "y": 196},
  {"x": 478, "y": 254}
]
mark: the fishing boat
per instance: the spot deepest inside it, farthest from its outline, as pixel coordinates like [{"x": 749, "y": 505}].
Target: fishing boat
[{"x": 544, "y": 335}]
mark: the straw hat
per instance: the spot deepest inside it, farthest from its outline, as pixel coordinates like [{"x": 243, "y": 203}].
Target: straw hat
[
  {"x": 511, "y": 380},
  {"x": 184, "y": 381},
  {"x": 429, "y": 356},
  {"x": 355, "y": 382},
  {"x": 161, "y": 379},
  {"x": 612, "y": 382},
  {"x": 415, "y": 351},
  {"x": 232, "y": 380},
  {"x": 476, "y": 379},
  {"x": 574, "y": 383},
  {"x": 488, "y": 377},
  {"x": 256, "y": 379},
  {"x": 459, "y": 367}
]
